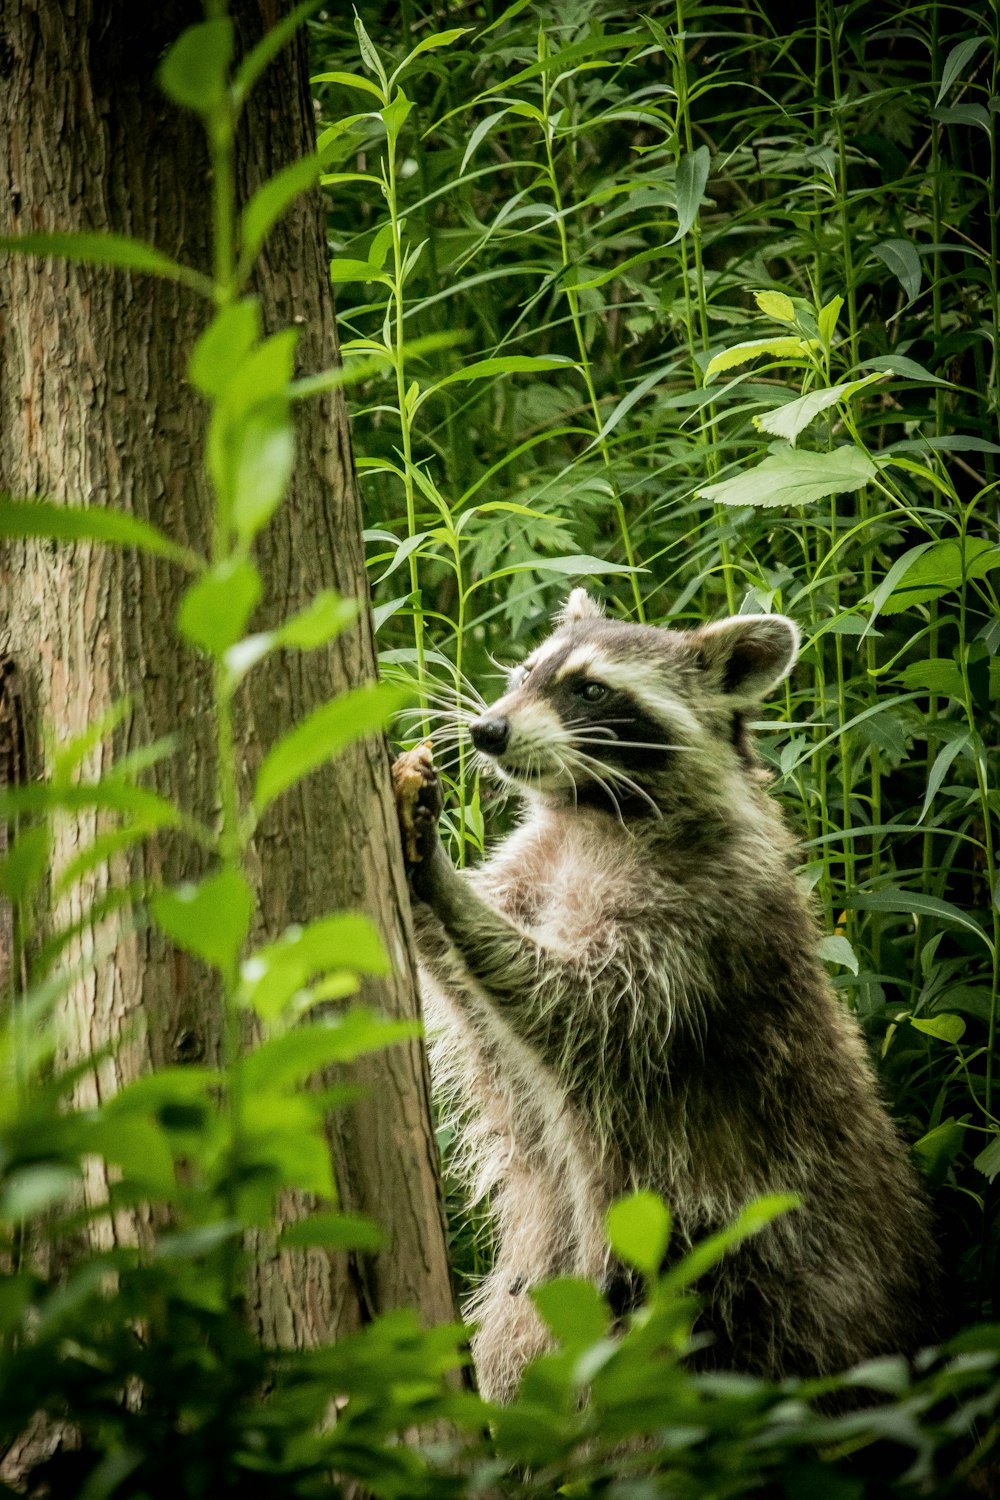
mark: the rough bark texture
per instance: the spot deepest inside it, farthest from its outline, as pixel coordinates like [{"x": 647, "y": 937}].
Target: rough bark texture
[{"x": 95, "y": 408}]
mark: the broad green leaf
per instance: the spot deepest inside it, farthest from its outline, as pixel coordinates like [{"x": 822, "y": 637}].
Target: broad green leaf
[
  {"x": 776, "y": 305},
  {"x": 91, "y": 249},
  {"x": 574, "y": 1310},
  {"x": 263, "y": 374},
  {"x": 332, "y": 1231},
  {"x": 964, "y": 114},
  {"x": 915, "y": 903},
  {"x": 327, "y": 731},
  {"x": 319, "y": 622},
  {"x": 267, "y": 49},
  {"x": 346, "y": 941},
  {"x": 288, "y": 1060},
  {"x": 82, "y": 523},
  {"x": 789, "y": 420},
  {"x": 210, "y": 920},
  {"x": 903, "y": 261},
  {"x": 195, "y": 72},
  {"x": 214, "y": 611},
  {"x": 940, "y": 569},
  {"x": 836, "y": 949},
  {"x": 956, "y": 60},
  {"x": 945, "y": 1027},
  {"x": 794, "y": 478},
  {"x": 32, "y": 1190},
  {"x": 692, "y": 175},
  {"x": 909, "y": 369},
  {"x": 342, "y": 270},
  {"x": 265, "y": 456},
  {"x": 224, "y": 345},
  {"x": 394, "y": 114},
  {"x": 268, "y": 204},
  {"x": 936, "y": 675},
  {"x": 638, "y": 1231},
  {"x": 786, "y": 347},
  {"x": 935, "y": 1151}
]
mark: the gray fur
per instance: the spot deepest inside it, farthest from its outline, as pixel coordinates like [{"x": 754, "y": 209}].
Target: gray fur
[{"x": 626, "y": 994}]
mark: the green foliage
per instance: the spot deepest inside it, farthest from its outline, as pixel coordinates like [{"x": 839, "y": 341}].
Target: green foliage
[{"x": 726, "y": 301}]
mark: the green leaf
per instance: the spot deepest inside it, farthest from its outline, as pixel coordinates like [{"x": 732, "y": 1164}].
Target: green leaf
[
  {"x": 327, "y": 731},
  {"x": 904, "y": 263},
  {"x": 784, "y": 348},
  {"x": 394, "y": 114},
  {"x": 988, "y": 1160},
  {"x": 369, "y": 56},
  {"x": 210, "y": 920},
  {"x": 224, "y": 345},
  {"x": 327, "y": 616},
  {"x": 195, "y": 72},
  {"x": 941, "y": 766},
  {"x": 574, "y": 1310},
  {"x": 836, "y": 949},
  {"x": 751, "y": 1220},
  {"x": 935, "y": 675},
  {"x": 794, "y": 478},
  {"x": 827, "y": 319},
  {"x": 956, "y": 61},
  {"x": 945, "y": 1027},
  {"x": 269, "y": 203},
  {"x": 214, "y": 611},
  {"x": 286, "y": 1061},
  {"x": 436, "y": 39},
  {"x": 351, "y": 81},
  {"x": 638, "y": 1231},
  {"x": 274, "y": 974},
  {"x": 776, "y": 305},
  {"x": 935, "y": 1151},
  {"x": 964, "y": 114},
  {"x": 915, "y": 903},
  {"x": 32, "y": 1190},
  {"x": 939, "y": 570},
  {"x": 504, "y": 364},
  {"x": 343, "y": 270},
  {"x": 789, "y": 420},
  {"x": 332, "y": 1231},
  {"x": 82, "y": 523},
  {"x": 265, "y": 458},
  {"x": 692, "y": 175},
  {"x": 91, "y": 249}
]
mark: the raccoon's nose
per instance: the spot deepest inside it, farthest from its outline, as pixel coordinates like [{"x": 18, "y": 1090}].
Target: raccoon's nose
[{"x": 490, "y": 735}]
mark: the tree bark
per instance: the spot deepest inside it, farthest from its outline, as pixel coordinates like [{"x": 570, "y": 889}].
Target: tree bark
[{"x": 95, "y": 408}]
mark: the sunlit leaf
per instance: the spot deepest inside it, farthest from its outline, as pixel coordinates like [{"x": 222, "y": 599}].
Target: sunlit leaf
[
  {"x": 72, "y": 523},
  {"x": 324, "y": 734},
  {"x": 785, "y": 347},
  {"x": 638, "y": 1230},
  {"x": 214, "y": 611},
  {"x": 789, "y": 420},
  {"x": 794, "y": 478},
  {"x": 119, "y": 250},
  {"x": 224, "y": 345},
  {"x": 210, "y": 920},
  {"x": 946, "y": 1028}
]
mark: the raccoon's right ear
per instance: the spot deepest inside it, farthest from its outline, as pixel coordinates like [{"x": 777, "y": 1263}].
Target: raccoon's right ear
[
  {"x": 748, "y": 655},
  {"x": 579, "y": 606}
]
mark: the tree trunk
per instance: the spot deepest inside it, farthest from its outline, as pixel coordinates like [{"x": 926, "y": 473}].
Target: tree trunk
[{"x": 95, "y": 408}]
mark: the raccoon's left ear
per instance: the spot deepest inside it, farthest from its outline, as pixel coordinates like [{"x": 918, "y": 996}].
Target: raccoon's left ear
[
  {"x": 748, "y": 655},
  {"x": 580, "y": 606}
]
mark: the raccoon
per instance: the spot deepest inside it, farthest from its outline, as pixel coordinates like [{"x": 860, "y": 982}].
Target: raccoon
[{"x": 626, "y": 994}]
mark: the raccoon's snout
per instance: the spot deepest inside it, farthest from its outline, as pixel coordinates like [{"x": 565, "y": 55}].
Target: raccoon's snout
[{"x": 489, "y": 734}]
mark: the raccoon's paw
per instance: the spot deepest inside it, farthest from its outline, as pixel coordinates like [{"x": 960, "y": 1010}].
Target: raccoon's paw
[{"x": 419, "y": 801}]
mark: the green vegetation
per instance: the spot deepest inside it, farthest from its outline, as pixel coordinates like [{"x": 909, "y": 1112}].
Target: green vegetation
[{"x": 706, "y": 313}]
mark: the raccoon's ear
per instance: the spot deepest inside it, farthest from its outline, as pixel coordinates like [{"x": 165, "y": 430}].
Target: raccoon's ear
[
  {"x": 748, "y": 655},
  {"x": 580, "y": 606}
]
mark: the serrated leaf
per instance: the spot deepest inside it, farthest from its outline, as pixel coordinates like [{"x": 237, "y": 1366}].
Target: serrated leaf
[
  {"x": 639, "y": 1230},
  {"x": 574, "y": 1310},
  {"x": 195, "y": 72},
  {"x": 776, "y": 305},
  {"x": 224, "y": 345},
  {"x": 789, "y": 420},
  {"x": 332, "y": 1231},
  {"x": 836, "y": 949},
  {"x": 935, "y": 675},
  {"x": 83, "y": 523},
  {"x": 270, "y": 201},
  {"x": 214, "y": 611},
  {"x": 988, "y": 1160},
  {"x": 327, "y": 731},
  {"x": 904, "y": 263},
  {"x": 785, "y": 347},
  {"x": 91, "y": 249},
  {"x": 939, "y": 569},
  {"x": 794, "y": 478},
  {"x": 945, "y": 1027},
  {"x": 955, "y": 61},
  {"x": 210, "y": 920},
  {"x": 692, "y": 175}
]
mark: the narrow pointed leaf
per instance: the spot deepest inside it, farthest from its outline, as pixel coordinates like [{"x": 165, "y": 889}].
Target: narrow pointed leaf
[
  {"x": 324, "y": 734},
  {"x": 82, "y": 523}
]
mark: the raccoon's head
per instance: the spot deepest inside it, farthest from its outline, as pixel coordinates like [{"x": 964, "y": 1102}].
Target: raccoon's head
[{"x": 634, "y": 718}]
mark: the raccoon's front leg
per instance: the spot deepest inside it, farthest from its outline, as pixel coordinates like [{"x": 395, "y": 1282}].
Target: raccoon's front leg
[{"x": 535, "y": 986}]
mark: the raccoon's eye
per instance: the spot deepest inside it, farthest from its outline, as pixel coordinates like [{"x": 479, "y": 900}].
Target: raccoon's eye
[{"x": 593, "y": 692}]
